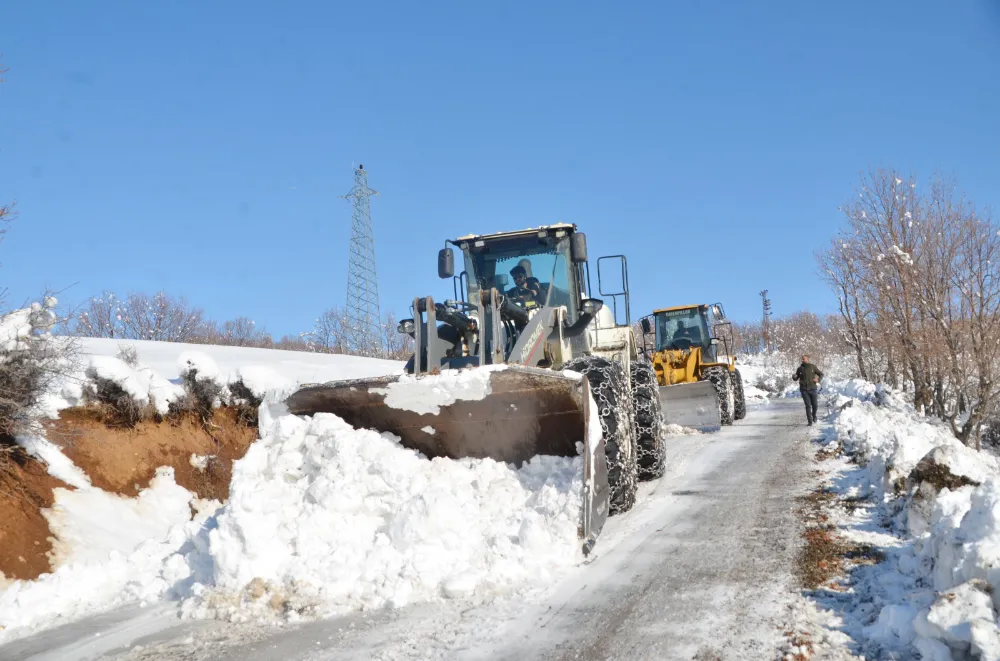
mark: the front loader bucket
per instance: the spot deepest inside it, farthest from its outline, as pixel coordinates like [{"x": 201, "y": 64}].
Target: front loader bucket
[
  {"x": 694, "y": 404},
  {"x": 524, "y": 412}
]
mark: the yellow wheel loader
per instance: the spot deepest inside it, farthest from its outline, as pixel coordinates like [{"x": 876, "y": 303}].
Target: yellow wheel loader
[
  {"x": 692, "y": 356},
  {"x": 559, "y": 367}
]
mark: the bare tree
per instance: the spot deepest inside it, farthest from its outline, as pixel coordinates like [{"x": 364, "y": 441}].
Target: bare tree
[
  {"x": 294, "y": 343},
  {"x": 161, "y": 318},
  {"x": 396, "y": 345},
  {"x": 102, "y": 317},
  {"x": 329, "y": 333},
  {"x": 239, "y": 332},
  {"x": 749, "y": 337},
  {"x": 917, "y": 278}
]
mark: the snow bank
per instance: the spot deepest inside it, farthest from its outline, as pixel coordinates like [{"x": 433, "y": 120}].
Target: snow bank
[
  {"x": 110, "y": 550},
  {"x": 937, "y": 592},
  {"x": 323, "y": 518}
]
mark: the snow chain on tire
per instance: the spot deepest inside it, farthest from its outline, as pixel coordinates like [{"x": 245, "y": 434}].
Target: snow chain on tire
[
  {"x": 723, "y": 384},
  {"x": 609, "y": 386},
  {"x": 741, "y": 403},
  {"x": 650, "y": 447}
]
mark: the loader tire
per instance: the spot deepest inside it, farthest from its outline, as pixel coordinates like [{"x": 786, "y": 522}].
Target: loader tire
[
  {"x": 740, "y": 409},
  {"x": 650, "y": 448},
  {"x": 609, "y": 386},
  {"x": 723, "y": 384}
]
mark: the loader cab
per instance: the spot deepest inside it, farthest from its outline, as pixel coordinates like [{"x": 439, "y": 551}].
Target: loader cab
[
  {"x": 532, "y": 268},
  {"x": 684, "y": 327},
  {"x": 704, "y": 326}
]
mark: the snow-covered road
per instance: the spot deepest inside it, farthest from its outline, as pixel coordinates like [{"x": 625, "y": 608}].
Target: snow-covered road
[{"x": 700, "y": 568}]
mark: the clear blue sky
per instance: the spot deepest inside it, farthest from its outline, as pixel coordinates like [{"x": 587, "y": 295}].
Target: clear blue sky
[{"x": 199, "y": 147}]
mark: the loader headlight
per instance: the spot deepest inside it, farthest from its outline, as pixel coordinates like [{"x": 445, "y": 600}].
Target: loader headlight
[
  {"x": 591, "y": 306},
  {"x": 406, "y": 327}
]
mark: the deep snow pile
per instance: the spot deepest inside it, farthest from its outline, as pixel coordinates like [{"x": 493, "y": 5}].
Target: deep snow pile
[
  {"x": 321, "y": 518},
  {"x": 936, "y": 517},
  {"x": 324, "y": 518}
]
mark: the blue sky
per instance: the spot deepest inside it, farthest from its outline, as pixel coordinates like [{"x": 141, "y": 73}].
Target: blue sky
[{"x": 200, "y": 148}]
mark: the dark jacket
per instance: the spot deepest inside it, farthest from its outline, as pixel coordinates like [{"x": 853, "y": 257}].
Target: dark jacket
[{"x": 808, "y": 376}]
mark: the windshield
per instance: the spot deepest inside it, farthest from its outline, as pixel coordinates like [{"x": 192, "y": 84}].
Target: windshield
[
  {"x": 681, "y": 329},
  {"x": 532, "y": 271}
]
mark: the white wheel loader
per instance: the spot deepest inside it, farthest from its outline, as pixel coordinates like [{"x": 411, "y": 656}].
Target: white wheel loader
[{"x": 523, "y": 314}]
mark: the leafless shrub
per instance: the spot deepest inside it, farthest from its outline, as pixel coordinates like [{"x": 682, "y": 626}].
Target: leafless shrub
[
  {"x": 246, "y": 403},
  {"x": 202, "y": 393},
  {"x": 128, "y": 354},
  {"x": 32, "y": 362},
  {"x": 118, "y": 408}
]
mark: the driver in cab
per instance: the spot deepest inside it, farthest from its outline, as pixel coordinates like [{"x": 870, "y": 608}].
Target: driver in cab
[
  {"x": 526, "y": 291},
  {"x": 684, "y": 333}
]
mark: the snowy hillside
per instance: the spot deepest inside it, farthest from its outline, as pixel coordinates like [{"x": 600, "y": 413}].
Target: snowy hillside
[{"x": 297, "y": 366}]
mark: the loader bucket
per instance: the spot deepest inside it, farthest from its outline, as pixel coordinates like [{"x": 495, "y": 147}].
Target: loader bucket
[
  {"x": 694, "y": 404},
  {"x": 525, "y": 412}
]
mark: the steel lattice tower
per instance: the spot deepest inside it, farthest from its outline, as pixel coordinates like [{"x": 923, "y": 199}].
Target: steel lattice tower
[{"x": 363, "y": 318}]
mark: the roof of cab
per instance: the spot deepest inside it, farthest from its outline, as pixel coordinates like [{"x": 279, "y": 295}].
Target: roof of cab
[
  {"x": 569, "y": 227},
  {"x": 681, "y": 307}
]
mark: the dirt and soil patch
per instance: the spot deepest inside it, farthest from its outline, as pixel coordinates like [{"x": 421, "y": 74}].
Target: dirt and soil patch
[
  {"x": 124, "y": 459},
  {"x": 826, "y": 554},
  {"x": 119, "y": 458},
  {"x": 25, "y": 489}
]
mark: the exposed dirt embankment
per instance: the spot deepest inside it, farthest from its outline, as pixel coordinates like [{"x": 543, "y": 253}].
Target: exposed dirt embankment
[
  {"x": 124, "y": 460},
  {"x": 118, "y": 459},
  {"x": 25, "y": 489}
]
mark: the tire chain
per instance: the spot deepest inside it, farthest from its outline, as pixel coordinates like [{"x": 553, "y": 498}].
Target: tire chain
[
  {"x": 610, "y": 389},
  {"x": 739, "y": 397},
  {"x": 723, "y": 384},
  {"x": 650, "y": 446}
]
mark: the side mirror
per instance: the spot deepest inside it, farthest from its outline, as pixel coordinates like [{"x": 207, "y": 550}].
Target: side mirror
[
  {"x": 578, "y": 248},
  {"x": 647, "y": 327},
  {"x": 591, "y": 306},
  {"x": 717, "y": 310},
  {"x": 714, "y": 342},
  {"x": 446, "y": 263}
]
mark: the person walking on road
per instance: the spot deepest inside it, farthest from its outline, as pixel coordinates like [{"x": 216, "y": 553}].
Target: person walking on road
[{"x": 808, "y": 376}]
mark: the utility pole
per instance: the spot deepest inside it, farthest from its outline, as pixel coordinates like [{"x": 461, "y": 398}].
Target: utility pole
[
  {"x": 765, "y": 324},
  {"x": 364, "y": 322}
]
